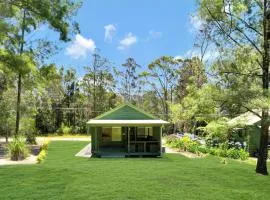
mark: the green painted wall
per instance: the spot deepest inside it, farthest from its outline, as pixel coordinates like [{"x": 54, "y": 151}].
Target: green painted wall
[
  {"x": 253, "y": 138},
  {"x": 156, "y": 133}
]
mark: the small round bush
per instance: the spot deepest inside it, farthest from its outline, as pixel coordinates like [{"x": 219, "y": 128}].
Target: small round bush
[
  {"x": 203, "y": 149},
  {"x": 243, "y": 154},
  {"x": 45, "y": 145},
  {"x": 41, "y": 156},
  {"x": 233, "y": 153}
]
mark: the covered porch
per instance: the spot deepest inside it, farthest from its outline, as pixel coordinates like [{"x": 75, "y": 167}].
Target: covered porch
[{"x": 111, "y": 140}]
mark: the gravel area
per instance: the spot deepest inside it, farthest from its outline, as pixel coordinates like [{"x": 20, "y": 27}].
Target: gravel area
[{"x": 30, "y": 160}]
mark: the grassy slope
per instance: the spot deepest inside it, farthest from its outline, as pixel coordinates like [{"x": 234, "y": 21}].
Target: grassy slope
[{"x": 64, "y": 176}]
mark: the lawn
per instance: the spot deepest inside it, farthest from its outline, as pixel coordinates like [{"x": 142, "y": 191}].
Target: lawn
[{"x": 63, "y": 176}]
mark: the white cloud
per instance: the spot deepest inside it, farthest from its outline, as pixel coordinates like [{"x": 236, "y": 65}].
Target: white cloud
[
  {"x": 127, "y": 41},
  {"x": 154, "y": 35},
  {"x": 80, "y": 47},
  {"x": 110, "y": 30}
]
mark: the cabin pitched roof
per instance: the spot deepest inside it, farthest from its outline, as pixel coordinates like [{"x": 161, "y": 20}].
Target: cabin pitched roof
[
  {"x": 126, "y": 115},
  {"x": 125, "y": 112},
  {"x": 247, "y": 119}
]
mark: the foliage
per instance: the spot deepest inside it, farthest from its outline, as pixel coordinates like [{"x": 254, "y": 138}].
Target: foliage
[
  {"x": 191, "y": 74},
  {"x": 161, "y": 76},
  {"x": 43, "y": 153},
  {"x": 45, "y": 145},
  {"x": 129, "y": 82},
  {"x": 217, "y": 131},
  {"x": 7, "y": 113},
  {"x": 31, "y": 139},
  {"x": 22, "y": 55},
  {"x": 17, "y": 148},
  {"x": 64, "y": 130},
  {"x": 198, "y": 103},
  {"x": 41, "y": 156},
  {"x": 28, "y": 126},
  {"x": 242, "y": 25},
  {"x": 186, "y": 144}
]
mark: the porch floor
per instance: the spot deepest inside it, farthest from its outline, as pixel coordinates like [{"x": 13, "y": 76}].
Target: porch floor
[{"x": 113, "y": 152}]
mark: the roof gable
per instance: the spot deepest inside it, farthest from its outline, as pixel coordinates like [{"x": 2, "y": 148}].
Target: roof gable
[
  {"x": 125, "y": 112},
  {"x": 247, "y": 119}
]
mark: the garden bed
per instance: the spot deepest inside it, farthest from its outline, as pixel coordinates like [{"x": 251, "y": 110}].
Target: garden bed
[
  {"x": 184, "y": 153},
  {"x": 31, "y": 159}
]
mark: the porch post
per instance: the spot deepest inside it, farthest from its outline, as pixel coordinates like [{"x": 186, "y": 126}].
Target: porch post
[
  {"x": 160, "y": 140},
  {"x": 128, "y": 137},
  {"x": 96, "y": 140}
]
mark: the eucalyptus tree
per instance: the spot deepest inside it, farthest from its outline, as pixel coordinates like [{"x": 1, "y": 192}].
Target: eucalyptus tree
[
  {"x": 26, "y": 16},
  {"x": 238, "y": 24},
  {"x": 70, "y": 89},
  {"x": 161, "y": 77},
  {"x": 98, "y": 82},
  {"x": 191, "y": 72},
  {"x": 129, "y": 76}
]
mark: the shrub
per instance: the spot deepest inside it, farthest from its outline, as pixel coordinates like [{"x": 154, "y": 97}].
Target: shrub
[
  {"x": 170, "y": 139},
  {"x": 45, "y": 145},
  {"x": 203, "y": 149},
  {"x": 233, "y": 153},
  {"x": 64, "y": 130},
  {"x": 180, "y": 144},
  {"x": 213, "y": 151},
  {"x": 17, "y": 148},
  {"x": 193, "y": 147},
  {"x": 243, "y": 154},
  {"x": 31, "y": 139},
  {"x": 75, "y": 130},
  {"x": 223, "y": 150},
  {"x": 41, "y": 156},
  {"x": 217, "y": 132},
  {"x": 176, "y": 143},
  {"x": 186, "y": 142}
]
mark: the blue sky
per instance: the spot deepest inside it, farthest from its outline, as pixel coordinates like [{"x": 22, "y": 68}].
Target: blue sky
[{"x": 142, "y": 29}]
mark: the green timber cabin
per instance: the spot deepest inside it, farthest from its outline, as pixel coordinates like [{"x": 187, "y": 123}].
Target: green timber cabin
[
  {"x": 249, "y": 125},
  {"x": 125, "y": 131}
]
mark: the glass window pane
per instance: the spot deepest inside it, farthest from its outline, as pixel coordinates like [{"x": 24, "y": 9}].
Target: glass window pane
[
  {"x": 116, "y": 134},
  {"x": 106, "y": 134}
]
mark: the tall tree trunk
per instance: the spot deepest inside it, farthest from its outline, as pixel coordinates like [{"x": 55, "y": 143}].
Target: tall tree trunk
[
  {"x": 94, "y": 97},
  {"x": 263, "y": 152},
  {"x": 166, "y": 105},
  {"x": 18, "y": 109}
]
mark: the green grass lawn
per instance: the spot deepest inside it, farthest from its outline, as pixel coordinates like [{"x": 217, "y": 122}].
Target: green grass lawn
[{"x": 64, "y": 176}]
